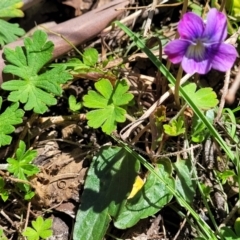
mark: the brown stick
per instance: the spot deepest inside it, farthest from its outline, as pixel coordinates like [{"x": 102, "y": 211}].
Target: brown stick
[{"x": 77, "y": 30}]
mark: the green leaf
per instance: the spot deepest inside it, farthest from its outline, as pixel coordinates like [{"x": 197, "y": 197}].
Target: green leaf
[
  {"x": 233, "y": 6},
  {"x": 9, "y": 32},
  {"x": 41, "y": 228},
  {"x": 229, "y": 121},
  {"x": 10, "y": 8},
  {"x": 237, "y": 227},
  {"x": 109, "y": 181},
  {"x": 11, "y": 116},
  {"x": 28, "y": 194},
  {"x": 107, "y": 100},
  {"x": 185, "y": 184},
  {"x": 225, "y": 175},
  {"x": 90, "y": 57},
  {"x": 31, "y": 234},
  {"x": 228, "y": 233},
  {"x": 74, "y": 63},
  {"x": 175, "y": 127},
  {"x": 206, "y": 190},
  {"x": 199, "y": 132},
  {"x": 3, "y": 192},
  {"x": 2, "y": 235},
  {"x": 21, "y": 166},
  {"x": 153, "y": 196},
  {"x": 34, "y": 90},
  {"x": 73, "y": 104},
  {"x": 204, "y": 98}
]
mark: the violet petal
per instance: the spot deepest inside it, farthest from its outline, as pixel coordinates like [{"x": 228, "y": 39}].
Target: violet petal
[
  {"x": 191, "y": 65},
  {"x": 176, "y": 49},
  {"x": 216, "y": 27},
  {"x": 191, "y": 26},
  {"x": 223, "y": 56}
]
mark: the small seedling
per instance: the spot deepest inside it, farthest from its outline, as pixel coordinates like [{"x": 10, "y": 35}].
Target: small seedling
[
  {"x": 73, "y": 104},
  {"x": 226, "y": 175},
  {"x": 175, "y": 127},
  {"x": 22, "y": 168},
  {"x": 107, "y": 102},
  {"x": 41, "y": 229}
]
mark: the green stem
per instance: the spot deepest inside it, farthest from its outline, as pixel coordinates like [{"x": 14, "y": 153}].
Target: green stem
[{"x": 177, "y": 86}]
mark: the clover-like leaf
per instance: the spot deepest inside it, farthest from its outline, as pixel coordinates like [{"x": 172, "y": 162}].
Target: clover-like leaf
[
  {"x": 107, "y": 101},
  {"x": 21, "y": 167},
  {"x": 41, "y": 229},
  {"x": 10, "y": 117},
  {"x": 204, "y": 98},
  {"x": 34, "y": 90}
]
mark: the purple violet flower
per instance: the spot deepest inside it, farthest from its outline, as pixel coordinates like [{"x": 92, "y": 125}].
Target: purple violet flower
[{"x": 201, "y": 45}]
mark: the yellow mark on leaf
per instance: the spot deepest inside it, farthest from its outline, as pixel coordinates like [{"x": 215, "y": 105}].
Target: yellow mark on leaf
[{"x": 138, "y": 184}]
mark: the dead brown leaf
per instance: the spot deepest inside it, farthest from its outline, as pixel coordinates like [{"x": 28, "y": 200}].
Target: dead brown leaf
[{"x": 60, "y": 179}]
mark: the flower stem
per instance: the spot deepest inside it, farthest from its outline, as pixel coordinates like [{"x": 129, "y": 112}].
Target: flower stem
[{"x": 177, "y": 86}]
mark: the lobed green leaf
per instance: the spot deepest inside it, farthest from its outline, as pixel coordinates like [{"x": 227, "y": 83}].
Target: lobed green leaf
[
  {"x": 10, "y": 117},
  {"x": 204, "y": 98},
  {"x": 34, "y": 90},
  {"x": 107, "y": 100},
  {"x": 41, "y": 228},
  {"x": 10, "y": 8},
  {"x": 9, "y": 32},
  {"x": 21, "y": 166}
]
